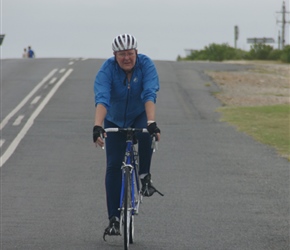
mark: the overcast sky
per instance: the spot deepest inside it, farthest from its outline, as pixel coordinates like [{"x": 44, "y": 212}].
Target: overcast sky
[{"x": 163, "y": 28}]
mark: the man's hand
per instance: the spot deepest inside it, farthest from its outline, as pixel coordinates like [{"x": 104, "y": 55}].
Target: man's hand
[
  {"x": 154, "y": 130},
  {"x": 98, "y": 134}
]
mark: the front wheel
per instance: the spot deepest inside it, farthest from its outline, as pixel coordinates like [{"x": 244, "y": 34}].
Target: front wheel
[{"x": 131, "y": 238}]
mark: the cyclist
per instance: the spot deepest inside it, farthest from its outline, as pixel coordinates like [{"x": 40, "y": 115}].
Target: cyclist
[{"x": 125, "y": 95}]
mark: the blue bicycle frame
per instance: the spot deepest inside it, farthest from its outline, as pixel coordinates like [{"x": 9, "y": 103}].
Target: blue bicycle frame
[{"x": 132, "y": 164}]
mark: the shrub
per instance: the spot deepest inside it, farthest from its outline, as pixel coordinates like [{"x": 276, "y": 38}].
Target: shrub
[
  {"x": 216, "y": 52},
  {"x": 260, "y": 51},
  {"x": 221, "y": 52},
  {"x": 285, "y": 54},
  {"x": 275, "y": 54}
]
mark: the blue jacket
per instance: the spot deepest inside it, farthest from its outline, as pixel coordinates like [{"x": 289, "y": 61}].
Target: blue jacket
[
  {"x": 30, "y": 53},
  {"x": 125, "y": 100}
]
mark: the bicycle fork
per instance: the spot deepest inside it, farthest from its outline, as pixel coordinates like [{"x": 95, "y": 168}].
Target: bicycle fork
[{"x": 135, "y": 200}]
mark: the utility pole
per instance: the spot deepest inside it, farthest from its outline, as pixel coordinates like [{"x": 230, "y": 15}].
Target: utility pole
[
  {"x": 279, "y": 41},
  {"x": 284, "y": 22},
  {"x": 236, "y": 35}
]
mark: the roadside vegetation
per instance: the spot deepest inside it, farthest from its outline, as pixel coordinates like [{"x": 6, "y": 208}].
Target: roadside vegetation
[
  {"x": 256, "y": 101},
  {"x": 267, "y": 124},
  {"x": 223, "y": 52}
]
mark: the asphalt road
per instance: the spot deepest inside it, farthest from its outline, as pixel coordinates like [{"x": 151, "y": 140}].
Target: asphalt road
[{"x": 223, "y": 190}]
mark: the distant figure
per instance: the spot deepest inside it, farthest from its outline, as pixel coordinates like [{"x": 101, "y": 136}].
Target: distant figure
[
  {"x": 30, "y": 53},
  {"x": 25, "y": 54}
]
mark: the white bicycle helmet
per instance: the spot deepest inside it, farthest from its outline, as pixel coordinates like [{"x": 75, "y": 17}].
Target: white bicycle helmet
[{"x": 124, "y": 42}]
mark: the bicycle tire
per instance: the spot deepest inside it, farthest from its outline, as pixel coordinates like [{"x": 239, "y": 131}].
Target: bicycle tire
[
  {"x": 136, "y": 199},
  {"x": 131, "y": 236},
  {"x": 127, "y": 209},
  {"x": 137, "y": 182}
]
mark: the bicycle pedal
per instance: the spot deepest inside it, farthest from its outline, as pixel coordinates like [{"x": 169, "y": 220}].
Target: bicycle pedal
[{"x": 159, "y": 192}]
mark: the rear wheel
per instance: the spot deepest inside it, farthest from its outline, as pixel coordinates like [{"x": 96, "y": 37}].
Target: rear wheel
[
  {"x": 137, "y": 193},
  {"x": 127, "y": 211}
]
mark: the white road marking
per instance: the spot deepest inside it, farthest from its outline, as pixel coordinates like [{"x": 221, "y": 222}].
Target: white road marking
[
  {"x": 10, "y": 150},
  {"x": 71, "y": 63},
  {"x": 25, "y": 100},
  {"x": 53, "y": 80},
  {"x": 35, "y": 100},
  {"x": 1, "y": 142},
  {"x": 18, "y": 120},
  {"x": 62, "y": 70}
]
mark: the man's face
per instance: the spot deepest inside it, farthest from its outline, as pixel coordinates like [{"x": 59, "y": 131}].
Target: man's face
[{"x": 126, "y": 59}]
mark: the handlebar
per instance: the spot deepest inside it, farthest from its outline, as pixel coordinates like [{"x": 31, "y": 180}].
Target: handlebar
[
  {"x": 154, "y": 145},
  {"x": 143, "y": 130}
]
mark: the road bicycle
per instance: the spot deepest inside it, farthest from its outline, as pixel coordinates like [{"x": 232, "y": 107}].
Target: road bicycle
[{"x": 131, "y": 195}]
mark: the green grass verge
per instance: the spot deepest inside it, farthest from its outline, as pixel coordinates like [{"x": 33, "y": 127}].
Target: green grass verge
[{"x": 267, "y": 124}]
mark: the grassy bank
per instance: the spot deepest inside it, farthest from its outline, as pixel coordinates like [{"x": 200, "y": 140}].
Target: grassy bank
[{"x": 267, "y": 124}]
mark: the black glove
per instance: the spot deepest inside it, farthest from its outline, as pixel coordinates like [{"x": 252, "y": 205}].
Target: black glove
[
  {"x": 153, "y": 129},
  {"x": 98, "y": 132}
]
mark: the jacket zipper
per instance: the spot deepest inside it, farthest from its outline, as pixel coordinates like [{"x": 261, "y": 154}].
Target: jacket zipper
[{"x": 127, "y": 102}]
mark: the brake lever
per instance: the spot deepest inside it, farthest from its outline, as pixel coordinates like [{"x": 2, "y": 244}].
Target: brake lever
[
  {"x": 103, "y": 138},
  {"x": 154, "y": 144}
]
